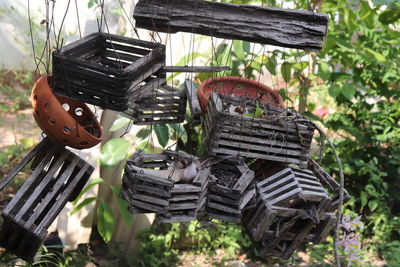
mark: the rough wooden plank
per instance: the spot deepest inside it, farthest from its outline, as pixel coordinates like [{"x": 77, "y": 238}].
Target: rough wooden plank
[
  {"x": 266, "y": 25},
  {"x": 209, "y": 69},
  {"x": 194, "y": 105}
]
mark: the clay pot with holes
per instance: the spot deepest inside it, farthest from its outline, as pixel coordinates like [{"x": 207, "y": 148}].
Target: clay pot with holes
[
  {"x": 65, "y": 121},
  {"x": 237, "y": 86}
]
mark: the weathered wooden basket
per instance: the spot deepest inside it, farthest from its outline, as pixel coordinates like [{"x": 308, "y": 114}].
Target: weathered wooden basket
[
  {"x": 294, "y": 206},
  {"x": 285, "y": 230},
  {"x": 231, "y": 128},
  {"x": 230, "y": 189},
  {"x": 157, "y": 104},
  {"x": 105, "y": 69},
  {"x": 147, "y": 188},
  {"x": 58, "y": 176}
]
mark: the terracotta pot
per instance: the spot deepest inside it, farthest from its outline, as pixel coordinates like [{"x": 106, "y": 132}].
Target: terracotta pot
[
  {"x": 65, "y": 121},
  {"x": 231, "y": 85}
]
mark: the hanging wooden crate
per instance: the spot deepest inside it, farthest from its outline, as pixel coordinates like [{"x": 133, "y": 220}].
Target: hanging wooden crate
[
  {"x": 148, "y": 186},
  {"x": 157, "y": 104},
  {"x": 230, "y": 189},
  {"x": 300, "y": 29},
  {"x": 288, "y": 229},
  {"x": 105, "y": 69},
  {"x": 278, "y": 135},
  {"x": 58, "y": 176}
]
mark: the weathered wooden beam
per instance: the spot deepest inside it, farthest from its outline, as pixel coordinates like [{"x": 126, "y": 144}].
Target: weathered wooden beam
[
  {"x": 209, "y": 69},
  {"x": 266, "y": 25}
]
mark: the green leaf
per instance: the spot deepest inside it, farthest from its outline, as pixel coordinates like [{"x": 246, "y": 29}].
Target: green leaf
[
  {"x": 383, "y": 2},
  {"x": 177, "y": 129},
  {"x": 348, "y": 91},
  {"x": 92, "y": 183},
  {"x": 334, "y": 90},
  {"x": 238, "y": 49},
  {"x": 258, "y": 112},
  {"x": 84, "y": 203},
  {"x": 378, "y": 57},
  {"x": 364, "y": 199},
  {"x": 162, "y": 134},
  {"x": 113, "y": 152},
  {"x": 285, "y": 70},
  {"x": 106, "y": 221},
  {"x": 323, "y": 71},
  {"x": 119, "y": 123},
  {"x": 143, "y": 133},
  {"x": 390, "y": 16},
  {"x": 271, "y": 64},
  {"x": 122, "y": 204},
  {"x": 373, "y": 205}
]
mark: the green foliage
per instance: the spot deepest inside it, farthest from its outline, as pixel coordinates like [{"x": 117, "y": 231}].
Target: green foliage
[
  {"x": 113, "y": 152},
  {"x": 161, "y": 244},
  {"x": 365, "y": 88}
]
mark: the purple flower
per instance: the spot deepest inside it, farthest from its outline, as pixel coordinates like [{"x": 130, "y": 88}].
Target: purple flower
[{"x": 351, "y": 224}]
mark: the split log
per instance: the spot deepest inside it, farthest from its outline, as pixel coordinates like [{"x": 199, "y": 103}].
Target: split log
[{"x": 265, "y": 25}]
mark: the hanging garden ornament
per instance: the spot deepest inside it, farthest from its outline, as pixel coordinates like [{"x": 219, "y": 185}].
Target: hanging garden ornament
[
  {"x": 171, "y": 184},
  {"x": 106, "y": 70},
  {"x": 231, "y": 85},
  {"x": 65, "y": 121},
  {"x": 58, "y": 176}
]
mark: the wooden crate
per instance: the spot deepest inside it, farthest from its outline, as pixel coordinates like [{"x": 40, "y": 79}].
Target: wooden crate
[
  {"x": 146, "y": 190},
  {"x": 230, "y": 189},
  {"x": 277, "y": 231},
  {"x": 105, "y": 69},
  {"x": 58, "y": 176},
  {"x": 157, "y": 104},
  {"x": 282, "y": 135}
]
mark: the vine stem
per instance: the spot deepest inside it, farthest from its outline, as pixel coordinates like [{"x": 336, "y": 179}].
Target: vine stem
[{"x": 341, "y": 192}]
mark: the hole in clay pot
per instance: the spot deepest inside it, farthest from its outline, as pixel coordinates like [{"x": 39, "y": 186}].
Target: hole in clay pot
[
  {"x": 84, "y": 143},
  {"x": 65, "y": 140},
  {"x": 66, "y": 106},
  {"x": 79, "y": 112},
  {"x": 47, "y": 107},
  {"x": 35, "y": 98},
  {"x": 52, "y": 122},
  {"x": 67, "y": 129}
]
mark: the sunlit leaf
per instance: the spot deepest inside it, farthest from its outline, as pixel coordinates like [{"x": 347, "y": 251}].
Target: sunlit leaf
[
  {"x": 106, "y": 221},
  {"x": 82, "y": 204},
  {"x": 119, "y": 123},
  {"x": 92, "y": 183},
  {"x": 113, "y": 152}
]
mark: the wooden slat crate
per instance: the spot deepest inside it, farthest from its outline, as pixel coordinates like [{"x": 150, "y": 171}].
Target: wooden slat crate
[
  {"x": 105, "y": 69},
  {"x": 280, "y": 135},
  {"x": 230, "y": 189},
  {"x": 58, "y": 176},
  {"x": 277, "y": 231},
  {"x": 157, "y": 103},
  {"x": 147, "y": 187}
]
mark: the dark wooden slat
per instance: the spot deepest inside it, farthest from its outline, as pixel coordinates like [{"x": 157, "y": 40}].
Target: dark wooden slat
[
  {"x": 266, "y": 25},
  {"x": 209, "y": 69}
]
